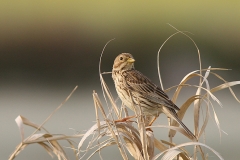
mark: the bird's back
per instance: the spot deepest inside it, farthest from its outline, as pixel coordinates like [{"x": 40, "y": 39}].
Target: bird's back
[{"x": 145, "y": 93}]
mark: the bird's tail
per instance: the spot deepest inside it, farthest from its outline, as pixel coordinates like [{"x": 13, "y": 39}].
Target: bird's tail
[{"x": 172, "y": 114}]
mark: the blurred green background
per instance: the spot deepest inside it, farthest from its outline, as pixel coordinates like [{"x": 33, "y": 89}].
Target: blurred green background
[{"x": 49, "y": 47}]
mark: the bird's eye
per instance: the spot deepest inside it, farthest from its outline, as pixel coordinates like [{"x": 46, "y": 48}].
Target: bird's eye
[{"x": 121, "y": 58}]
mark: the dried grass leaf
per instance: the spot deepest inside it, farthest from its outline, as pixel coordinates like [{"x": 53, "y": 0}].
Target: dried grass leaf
[
  {"x": 170, "y": 155},
  {"x": 109, "y": 143},
  {"x": 197, "y": 103},
  {"x": 18, "y": 149},
  {"x": 181, "y": 84},
  {"x": 133, "y": 149},
  {"x": 58, "y": 150},
  {"x": 205, "y": 120},
  {"x": 56, "y": 147},
  {"x": 131, "y": 135},
  {"x": 88, "y": 133},
  {"x": 73, "y": 148},
  {"x": 36, "y": 138},
  {"x": 173, "y": 145},
  {"x": 227, "y": 85},
  {"x": 159, "y": 145},
  {"x": 21, "y": 120},
  {"x": 182, "y": 155},
  {"x": 150, "y": 144},
  {"x": 190, "y": 76},
  {"x": 189, "y": 144},
  {"x": 47, "y": 148},
  {"x": 217, "y": 121}
]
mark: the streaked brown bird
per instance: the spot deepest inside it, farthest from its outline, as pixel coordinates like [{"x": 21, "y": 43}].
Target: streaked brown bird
[{"x": 151, "y": 98}]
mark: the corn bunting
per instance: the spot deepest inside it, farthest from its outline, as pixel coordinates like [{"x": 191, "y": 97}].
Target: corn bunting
[{"x": 133, "y": 87}]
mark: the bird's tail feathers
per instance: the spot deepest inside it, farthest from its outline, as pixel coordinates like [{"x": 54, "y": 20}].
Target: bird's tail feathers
[{"x": 172, "y": 114}]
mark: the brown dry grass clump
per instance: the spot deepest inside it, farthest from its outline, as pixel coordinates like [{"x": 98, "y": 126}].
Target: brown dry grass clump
[{"x": 132, "y": 138}]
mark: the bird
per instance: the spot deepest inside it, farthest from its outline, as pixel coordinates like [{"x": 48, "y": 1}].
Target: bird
[{"x": 135, "y": 89}]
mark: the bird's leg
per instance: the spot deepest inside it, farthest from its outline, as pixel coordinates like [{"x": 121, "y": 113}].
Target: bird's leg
[
  {"x": 150, "y": 124},
  {"x": 153, "y": 120},
  {"x": 125, "y": 119}
]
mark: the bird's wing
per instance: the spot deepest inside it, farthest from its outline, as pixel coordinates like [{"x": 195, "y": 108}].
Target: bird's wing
[{"x": 138, "y": 83}]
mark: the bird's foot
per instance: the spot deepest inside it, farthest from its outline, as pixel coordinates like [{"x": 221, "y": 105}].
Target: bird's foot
[
  {"x": 149, "y": 129},
  {"x": 125, "y": 119}
]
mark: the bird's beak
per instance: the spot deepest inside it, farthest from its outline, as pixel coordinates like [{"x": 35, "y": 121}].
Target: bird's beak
[{"x": 130, "y": 60}]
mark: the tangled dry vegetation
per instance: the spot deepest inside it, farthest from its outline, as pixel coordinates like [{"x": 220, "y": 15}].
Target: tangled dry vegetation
[{"x": 132, "y": 139}]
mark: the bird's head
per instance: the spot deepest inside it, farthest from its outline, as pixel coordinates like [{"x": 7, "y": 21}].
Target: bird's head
[{"x": 123, "y": 61}]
